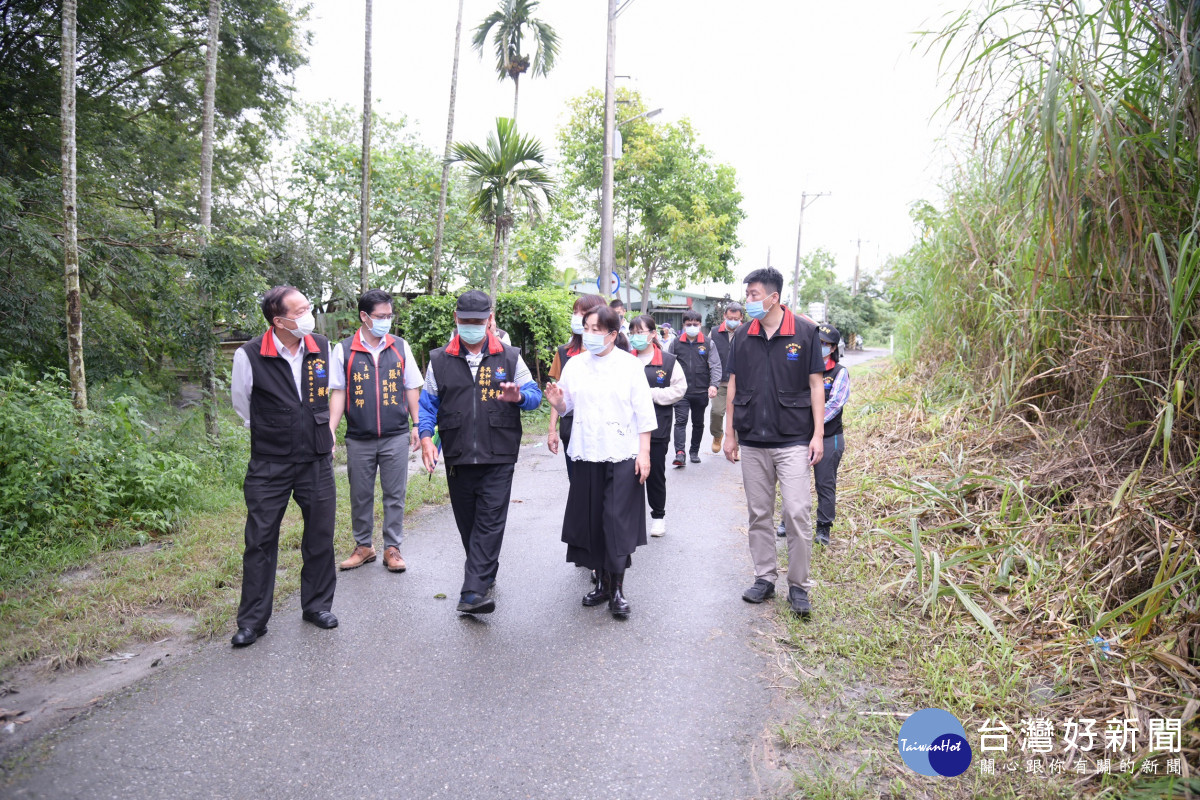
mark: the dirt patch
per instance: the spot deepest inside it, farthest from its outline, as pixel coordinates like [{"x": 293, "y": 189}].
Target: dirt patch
[{"x": 35, "y": 700}]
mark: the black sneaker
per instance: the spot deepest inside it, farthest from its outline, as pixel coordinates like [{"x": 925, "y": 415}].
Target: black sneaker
[
  {"x": 781, "y": 531},
  {"x": 798, "y": 600},
  {"x": 476, "y": 603},
  {"x": 695, "y": 456},
  {"x": 822, "y": 537},
  {"x": 761, "y": 590},
  {"x": 679, "y": 460}
]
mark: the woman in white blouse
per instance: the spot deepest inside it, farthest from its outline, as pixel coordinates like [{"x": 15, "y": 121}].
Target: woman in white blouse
[{"x": 605, "y": 519}]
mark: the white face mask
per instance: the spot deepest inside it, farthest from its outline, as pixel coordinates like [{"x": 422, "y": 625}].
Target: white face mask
[
  {"x": 305, "y": 324},
  {"x": 691, "y": 330},
  {"x": 577, "y": 323}
]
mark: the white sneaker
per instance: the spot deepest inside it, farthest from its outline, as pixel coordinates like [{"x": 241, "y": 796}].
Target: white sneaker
[{"x": 658, "y": 527}]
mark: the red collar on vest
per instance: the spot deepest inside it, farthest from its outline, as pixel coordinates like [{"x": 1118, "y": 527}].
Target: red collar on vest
[
  {"x": 722, "y": 328},
  {"x": 268, "y": 345},
  {"x": 786, "y": 328},
  {"x": 656, "y": 359},
  {"x": 829, "y": 364},
  {"x": 574, "y": 351},
  {"x": 698, "y": 340},
  {"x": 494, "y": 345}
]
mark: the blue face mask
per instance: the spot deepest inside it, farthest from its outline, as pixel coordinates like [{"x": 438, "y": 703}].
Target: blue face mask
[
  {"x": 472, "y": 334},
  {"x": 594, "y": 342},
  {"x": 639, "y": 341},
  {"x": 577, "y": 323},
  {"x": 755, "y": 310},
  {"x": 381, "y": 327},
  {"x": 826, "y": 350},
  {"x": 731, "y": 324}
]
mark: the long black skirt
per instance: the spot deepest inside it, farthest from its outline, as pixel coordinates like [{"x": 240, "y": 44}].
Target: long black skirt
[{"x": 605, "y": 519}]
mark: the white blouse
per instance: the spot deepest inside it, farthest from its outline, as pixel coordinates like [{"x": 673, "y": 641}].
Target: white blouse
[{"x": 611, "y": 401}]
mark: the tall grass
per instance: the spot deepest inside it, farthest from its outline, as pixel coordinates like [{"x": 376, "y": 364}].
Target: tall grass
[{"x": 1061, "y": 280}]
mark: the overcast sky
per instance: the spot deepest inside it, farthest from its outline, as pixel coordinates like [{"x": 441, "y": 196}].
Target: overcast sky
[{"x": 796, "y": 95}]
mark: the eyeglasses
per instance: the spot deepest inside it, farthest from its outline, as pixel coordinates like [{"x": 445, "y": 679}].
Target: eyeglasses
[{"x": 388, "y": 317}]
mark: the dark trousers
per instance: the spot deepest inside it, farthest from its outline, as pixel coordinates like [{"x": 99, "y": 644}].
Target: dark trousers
[
  {"x": 268, "y": 488},
  {"x": 696, "y": 405},
  {"x": 479, "y": 495},
  {"x": 656, "y": 484},
  {"x": 826, "y": 475}
]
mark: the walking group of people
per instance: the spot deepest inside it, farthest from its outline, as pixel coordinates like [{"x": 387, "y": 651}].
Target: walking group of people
[{"x": 618, "y": 400}]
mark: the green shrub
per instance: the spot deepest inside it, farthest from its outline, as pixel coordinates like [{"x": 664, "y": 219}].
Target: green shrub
[{"x": 66, "y": 475}]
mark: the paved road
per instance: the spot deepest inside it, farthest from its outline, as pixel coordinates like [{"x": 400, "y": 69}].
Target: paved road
[{"x": 542, "y": 699}]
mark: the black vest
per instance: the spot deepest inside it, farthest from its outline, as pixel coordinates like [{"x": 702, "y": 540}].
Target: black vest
[
  {"x": 375, "y": 401},
  {"x": 476, "y": 427},
  {"x": 566, "y": 422},
  {"x": 833, "y": 427},
  {"x": 659, "y": 377},
  {"x": 693, "y": 357},
  {"x": 284, "y": 428},
  {"x": 722, "y": 340},
  {"x": 787, "y": 415}
]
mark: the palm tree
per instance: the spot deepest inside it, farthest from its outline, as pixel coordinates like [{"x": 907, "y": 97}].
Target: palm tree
[
  {"x": 441, "y": 219},
  {"x": 510, "y": 168},
  {"x": 510, "y": 22},
  {"x": 70, "y": 215}
]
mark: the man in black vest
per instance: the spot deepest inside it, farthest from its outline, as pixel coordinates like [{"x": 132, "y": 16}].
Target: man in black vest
[
  {"x": 722, "y": 338},
  {"x": 837, "y": 392},
  {"x": 475, "y": 390},
  {"x": 280, "y": 387},
  {"x": 776, "y": 412},
  {"x": 702, "y": 366},
  {"x": 376, "y": 382}
]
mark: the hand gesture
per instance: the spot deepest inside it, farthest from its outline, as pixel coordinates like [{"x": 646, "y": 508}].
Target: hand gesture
[
  {"x": 642, "y": 467},
  {"x": 554, "y": 396},
  {"x": 509, "y": 393},
  {"x": 552, "y": 442},
  {"x": 730, "y": 447},
  {"x": 428, "y": 454},
  {"x": 712, "y": 392}
]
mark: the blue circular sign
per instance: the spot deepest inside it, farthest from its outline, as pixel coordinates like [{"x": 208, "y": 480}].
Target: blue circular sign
[
  {"x": 616, "y": 279},
  {"x": 933, "y": 742}
]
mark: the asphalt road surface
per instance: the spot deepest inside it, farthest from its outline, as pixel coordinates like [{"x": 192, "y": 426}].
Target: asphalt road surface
[{"x": 409, "y": 699}]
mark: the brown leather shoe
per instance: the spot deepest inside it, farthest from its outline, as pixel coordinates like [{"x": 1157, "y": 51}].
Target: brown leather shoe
[
  {"x": 393, "y": 560},
  {"x": 717, "y": 443},
  {"x": 363, "y": 554}
]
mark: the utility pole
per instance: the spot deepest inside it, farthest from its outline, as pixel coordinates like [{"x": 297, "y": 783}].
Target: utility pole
[
  {"x": 857, "y": 254},
  {"x": 806, "y": 200},
  {"x": 607, "y": 261}
]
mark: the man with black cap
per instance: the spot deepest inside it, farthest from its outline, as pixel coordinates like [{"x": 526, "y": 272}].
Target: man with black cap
[
  {"x": 837, "y": 392},
  {"x": 475, "y": 390},
  {"x": 280, "y": 387}
]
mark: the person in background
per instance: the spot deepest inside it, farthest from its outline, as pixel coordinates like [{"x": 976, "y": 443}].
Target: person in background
[
  {"x": 776, "y": 411},
  {"x": 605, "y": 518},
  {"x": 722, "y": 338},
  {"x": 475, "y": 390},
  {"x": 702, "y": 366},
  {"x": 378, "y": 372},
  {"x": 667, "y": 387},
  {"x": 562, "y": 355},
  {"x": 666, "y": 337},
  {"x": 619, "y": 307},
  {"x": 837, "y": 392},
  {"x": 280, "y": 387}
]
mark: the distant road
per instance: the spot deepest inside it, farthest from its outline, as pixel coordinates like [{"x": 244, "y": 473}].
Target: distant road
[{"x": 853, "y": 357}]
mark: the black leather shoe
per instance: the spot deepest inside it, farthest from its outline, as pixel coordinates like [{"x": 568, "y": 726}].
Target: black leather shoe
[
  {"x": 601, "y": 594},
  {"x": 617, "y": 604},
  {"x": 476, "y": 603},
  {"x": 322, "y": 619},
  {"x": 760, "y": 591},
  {"x": 246, "y": 637},
  {"x": 798, "y": 600},
  {"x": 694, "y": 456}
]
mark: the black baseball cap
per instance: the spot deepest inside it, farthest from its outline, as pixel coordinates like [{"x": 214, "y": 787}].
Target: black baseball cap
[
  {"x": 474, "y": 302},
  {"x": 828, "y": 334}
]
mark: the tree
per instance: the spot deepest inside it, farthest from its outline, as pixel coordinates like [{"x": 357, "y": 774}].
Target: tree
[
  {"x": 445, "y": 184},
  {"x": 510, "y": 168},
  {"x": 510, "y": 22},
  {"x": 70, "y": 242},
  {"x": 681, "y": 209},
  {"x": 208, "y": 365},
  {"x": 365, "y": 194}
]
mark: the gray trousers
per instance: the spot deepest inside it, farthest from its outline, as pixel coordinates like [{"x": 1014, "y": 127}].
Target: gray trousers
[
  {"x": 825, "y": 472},
  {"x": 364, "y": 457},
  {"x": 762, "y": 470}
]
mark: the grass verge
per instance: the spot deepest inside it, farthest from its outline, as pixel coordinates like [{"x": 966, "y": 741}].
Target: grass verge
[{"x": 967, "y": 630}]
